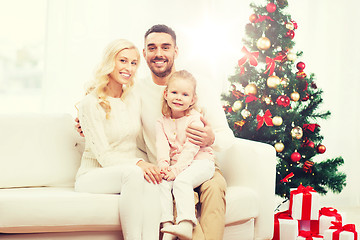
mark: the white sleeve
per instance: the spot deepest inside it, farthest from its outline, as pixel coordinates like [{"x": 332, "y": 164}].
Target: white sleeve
[
  {"x": 91, "y": 120},
  {"x": 213, "y": 112}
]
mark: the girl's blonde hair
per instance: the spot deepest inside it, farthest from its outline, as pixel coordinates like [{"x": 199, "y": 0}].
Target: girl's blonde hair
[
  {"x": 183, "y": 74},
  {"x": 106, "y": 67}
]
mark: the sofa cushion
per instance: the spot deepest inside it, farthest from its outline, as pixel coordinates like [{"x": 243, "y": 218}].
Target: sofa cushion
[
  {"x": 50, "y": 209},
  {"x": 53, "y": 209},
  {"x": 37, "y": 150}
]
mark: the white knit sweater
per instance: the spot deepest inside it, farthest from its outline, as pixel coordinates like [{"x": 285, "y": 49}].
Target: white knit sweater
[{"x": 112, "y": 141}]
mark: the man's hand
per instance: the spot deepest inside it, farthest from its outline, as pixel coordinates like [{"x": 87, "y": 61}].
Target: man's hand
[
  {"x": 201, "y": 136},
  {"x": 151, "y": 172},
  {"x": 78, "y": 127}
]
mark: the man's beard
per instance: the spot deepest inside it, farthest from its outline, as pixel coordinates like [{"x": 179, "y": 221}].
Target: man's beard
[{"x": 163, "y": 73}]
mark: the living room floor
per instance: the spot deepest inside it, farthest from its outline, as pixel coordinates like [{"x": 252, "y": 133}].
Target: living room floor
[{"x": 352, "y": 215}]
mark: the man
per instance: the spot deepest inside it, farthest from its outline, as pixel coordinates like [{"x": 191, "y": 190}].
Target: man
[{"x": 160, "y": 51}]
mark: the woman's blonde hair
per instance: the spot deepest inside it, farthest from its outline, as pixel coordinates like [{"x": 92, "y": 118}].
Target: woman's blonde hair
[
  {"x": 183, "y": 74},
  {"x": 106, "y": 67}
]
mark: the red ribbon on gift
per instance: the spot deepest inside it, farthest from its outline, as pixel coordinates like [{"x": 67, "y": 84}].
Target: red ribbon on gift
[
  {"x": 261, "y": 18},
  {"x": 249, "y": 56},
  {"x": 331, "y": 212},
  {"x": 266, "y": 118},
  {"x": 306, "y": 203},
  {"x": 280, "y": 215},
  {"x": 308, "y": 235},
  {"x": 270, "y": 64},
  {"x": 339, "y": 229}
]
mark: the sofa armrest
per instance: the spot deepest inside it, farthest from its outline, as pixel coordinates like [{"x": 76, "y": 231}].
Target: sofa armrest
[{"x": 253, "y": 164}]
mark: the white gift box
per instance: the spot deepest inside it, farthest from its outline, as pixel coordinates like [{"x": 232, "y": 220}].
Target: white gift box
[
  {"x": 289, "y": 229},
  {"x": 304, "y": 205},
  {"x": 344, "y": 235},
  {"x": 325, "y": 221}
]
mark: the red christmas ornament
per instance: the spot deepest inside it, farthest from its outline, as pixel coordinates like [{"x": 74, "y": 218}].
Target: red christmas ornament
[
  {"x": 253, "y": 17},
  {"x": 300, "y": 66},
  {"x": 290, "y": 34},
  {"x": 321, "y": 149},
  {"x": 295, "y": 156},
  {"x": 300, "y": 75},
  {"x": 283, "y": 101},
  {"x": 271, "y": 7},
  {"x": 308, "y": 143}
]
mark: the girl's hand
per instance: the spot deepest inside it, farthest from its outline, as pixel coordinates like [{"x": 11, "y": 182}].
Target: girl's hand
[
  {"x": 151, "y": 172},
  {"x": 201, "y": 136},
  {"x": 169, "y": 176}
]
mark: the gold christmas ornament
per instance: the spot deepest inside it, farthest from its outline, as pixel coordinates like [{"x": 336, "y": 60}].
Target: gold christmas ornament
[
  {"x": 245, "y": 113},
  {"x": 277, "y": 120},
  {"x": 296, "y": 132},
  {"x": 263, "y": 43},
  {"x": 295, "y": 96},
  {"x": 284, "y": 82},
  {"x": 291, "y": 56},
  {"x": 273, "y": 81},
  {"x": 289, "y": 26},
  {"x": 279, "y": 146},
  {"x": 237, "y": 106},
  {"x": 250, "y": 89}
]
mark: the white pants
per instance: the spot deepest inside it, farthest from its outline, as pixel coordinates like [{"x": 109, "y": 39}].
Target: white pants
[
  {"x": 183, "y": 190},
  {"x": 139, "y": 201}
]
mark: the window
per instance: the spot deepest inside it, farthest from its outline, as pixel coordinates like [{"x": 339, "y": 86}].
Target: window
[{"x": 22, "y": 44}]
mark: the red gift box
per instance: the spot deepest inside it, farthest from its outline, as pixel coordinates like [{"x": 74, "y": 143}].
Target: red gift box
[{"x": 309, "y": 225}]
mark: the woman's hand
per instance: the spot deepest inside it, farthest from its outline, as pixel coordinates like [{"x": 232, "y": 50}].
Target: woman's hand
[
  {"x": 78, "y": 127},
  {"x": 201, "y": 136},
  {"x": 151, "y": 172}
]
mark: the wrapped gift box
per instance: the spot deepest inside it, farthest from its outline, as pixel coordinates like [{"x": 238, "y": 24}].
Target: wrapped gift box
[
  {"x": 328, "y": 215},
  {"x": 304, "y": 203},
  {"x": 338, "y": 232},
  {"x": 285, "y": 227},
  {"x": 308, "y": 235},
  {"x": 310, "y": 226}
]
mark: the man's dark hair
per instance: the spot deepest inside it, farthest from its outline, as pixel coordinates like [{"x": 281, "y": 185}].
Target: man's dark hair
[{"x": 161, "y": 28}]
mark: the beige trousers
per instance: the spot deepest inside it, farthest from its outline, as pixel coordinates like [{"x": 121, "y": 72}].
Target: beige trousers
[{"x": 212, "y": 208}]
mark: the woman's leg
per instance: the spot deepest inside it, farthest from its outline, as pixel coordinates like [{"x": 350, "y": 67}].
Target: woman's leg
[
  {"x": 152, "y": 211},
  {"x": 125, "y": 179}
]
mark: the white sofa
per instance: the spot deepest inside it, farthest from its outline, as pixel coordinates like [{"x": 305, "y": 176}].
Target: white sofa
[{"x": 39, "y": 158}]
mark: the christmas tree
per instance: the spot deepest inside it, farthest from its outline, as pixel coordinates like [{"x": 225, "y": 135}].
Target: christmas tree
[{"x": 273, "y": 100}]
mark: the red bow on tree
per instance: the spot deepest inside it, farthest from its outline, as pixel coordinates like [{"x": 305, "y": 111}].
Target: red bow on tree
[
  {"x": 265, "y": 118},
  {"x": 286, "y": 179},
  {"x": 251, "y": 56},
  {"x": 270, "y": 64},
  {"x": 262, "y": 18},
  {"x": 310, "y": 127},
  {"x": 250, "y": 98}
]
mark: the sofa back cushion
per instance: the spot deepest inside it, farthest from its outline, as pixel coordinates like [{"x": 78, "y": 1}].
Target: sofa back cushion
[{"x": 37, "y": 150}]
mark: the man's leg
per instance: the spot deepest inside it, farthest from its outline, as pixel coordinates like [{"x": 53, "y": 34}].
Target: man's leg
[{"x": 213, "y": 207}]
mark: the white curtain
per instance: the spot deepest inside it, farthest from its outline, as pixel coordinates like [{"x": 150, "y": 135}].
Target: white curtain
[{"x": 209, "y": 37}]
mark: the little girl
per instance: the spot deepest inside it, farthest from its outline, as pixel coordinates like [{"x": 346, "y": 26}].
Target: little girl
[{"x": 183, "y": 165}]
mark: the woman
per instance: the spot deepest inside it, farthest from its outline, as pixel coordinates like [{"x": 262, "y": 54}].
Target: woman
[{"x": 110, "y": 119}]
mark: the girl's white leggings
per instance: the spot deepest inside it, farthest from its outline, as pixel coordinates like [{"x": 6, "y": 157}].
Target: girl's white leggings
[
  {"x": 139, "y": 202},
  {"x": 183, "y": 190}
]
